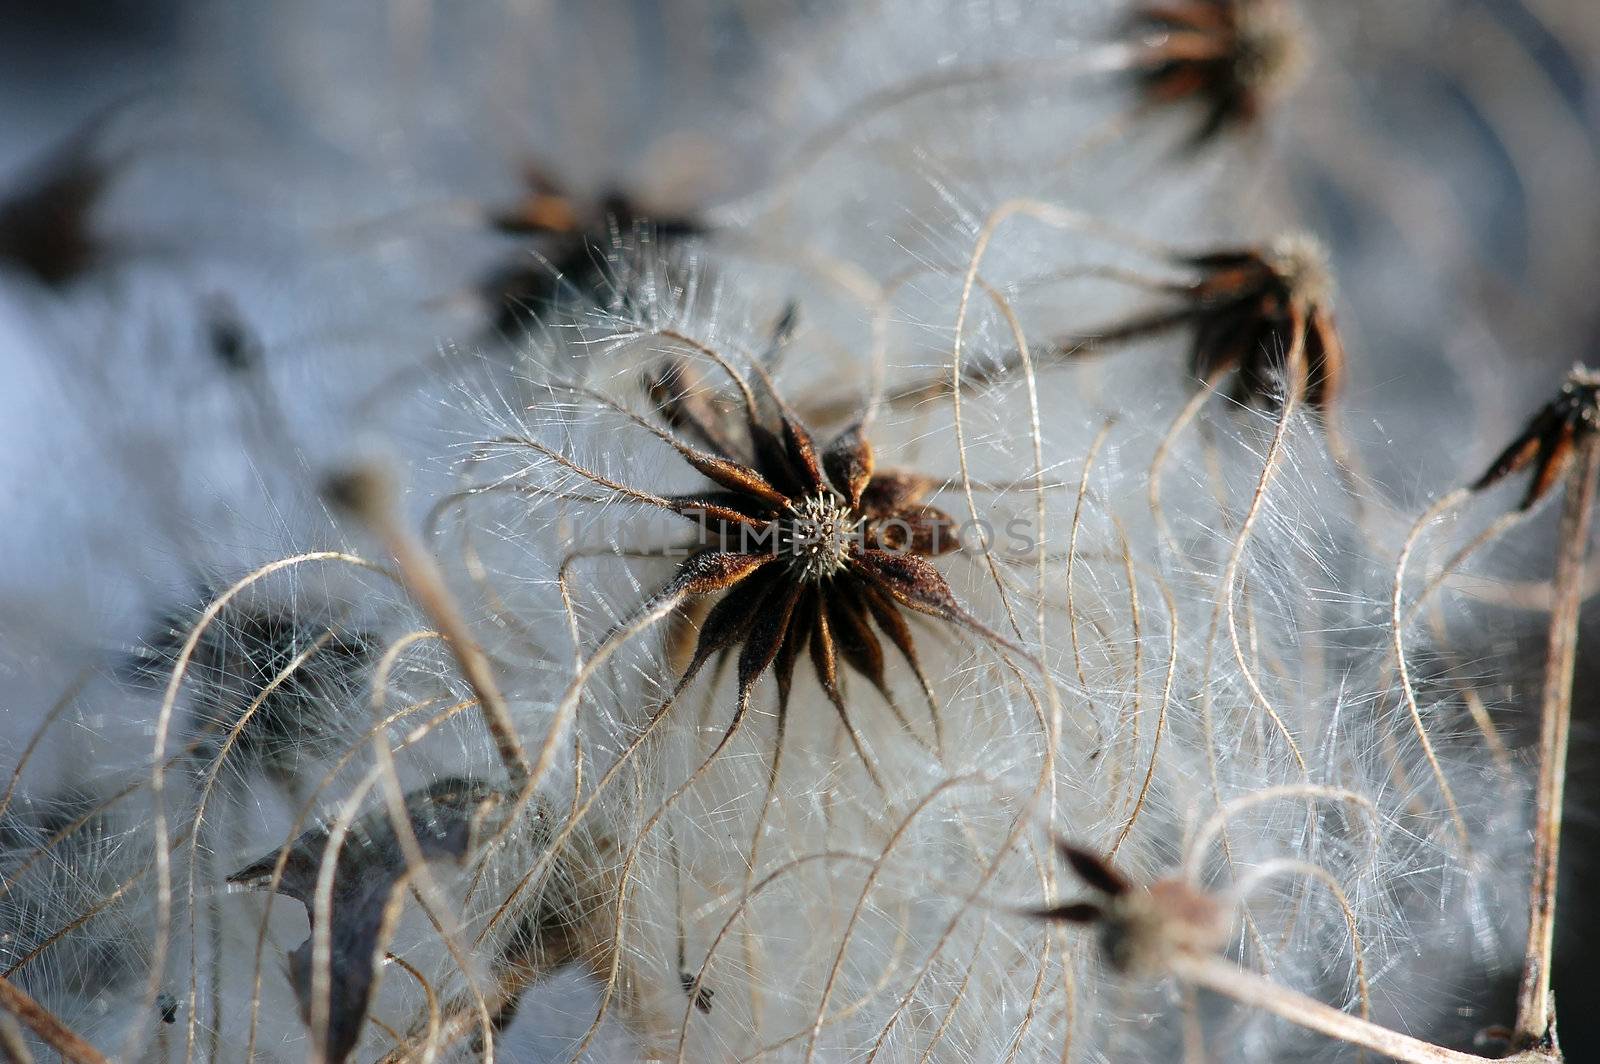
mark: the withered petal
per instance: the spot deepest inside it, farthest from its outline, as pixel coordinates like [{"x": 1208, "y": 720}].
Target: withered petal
[
  {"x": 1325, "y": 361},
  {"x": 912, "y": 582},
  {"x": 1550, "y": 440},
  {"x": 772, "y": 459},
  {"x": 1226, "y": 341},
  {"x": 730, "y": 620},
  {"x": 1138, "y": 327},
  {"x": 802, "y": 454},
  {"x": 1521, "y": 451},
  {"x": 824, "y": 656},
  {"x": 722, "y": 515},
  {"x": 849, "y": 463},
  {"x": 766, "y": 635},
  {"x": 794, "y": 642},
  {"x": 1555, "y": 455},
  {"x": 854, "y": 638},
  {"x": 826, "y": 661},
  {"x": 925, "y": 530},
  {"x": 893, "y": 624},
  {"x": 732, "y": 475}
]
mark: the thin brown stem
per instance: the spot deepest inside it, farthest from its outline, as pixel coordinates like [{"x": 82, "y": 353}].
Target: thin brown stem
[
  {"x": 368, "y": 496},
  {"x": 1535, "y": 1018}
]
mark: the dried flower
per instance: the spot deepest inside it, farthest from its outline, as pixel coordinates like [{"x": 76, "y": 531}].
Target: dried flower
[
  {"x": 1227, "y": 57},
  {"x": 1252, "y": 311}
]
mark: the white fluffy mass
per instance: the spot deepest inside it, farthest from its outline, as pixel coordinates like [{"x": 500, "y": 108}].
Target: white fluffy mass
[{"x": 1179, "y": 652}]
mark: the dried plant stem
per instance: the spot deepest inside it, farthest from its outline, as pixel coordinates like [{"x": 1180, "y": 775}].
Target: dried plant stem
[
  {"x": 12, "y": 1047},
  {"x": 44, "y": 1023},
  {"x": 368, "y": 496},
  {"x": 1535, "y": 1019},
  {"x": 1228, "y": 979}
]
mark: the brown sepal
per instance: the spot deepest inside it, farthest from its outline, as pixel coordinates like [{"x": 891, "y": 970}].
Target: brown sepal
[
  {"x": 849, "y": 463},
  {"x": 1094, "y": 870}
]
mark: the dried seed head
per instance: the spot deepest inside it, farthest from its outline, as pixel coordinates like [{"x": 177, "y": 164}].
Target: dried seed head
[
  {"x": 817, "y": 536},
  {"x": 576, "y": 238},
  {"x": 1551, "y": 438},
  {"x": 1143, "y": 929},
  {"x": 1229, "y": 57}
]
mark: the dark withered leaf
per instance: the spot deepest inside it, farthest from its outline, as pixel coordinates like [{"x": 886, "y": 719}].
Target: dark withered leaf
[
  {"x": 766, "y": 635},
  {"x": 802, "y": 454},
  {"x": 893, "y": 490},
  {"x": 795, "y": 642},
  {"x": 730, "y": 620},
  {"x": 446, "y": 818},
  {"x": 702, "y": 997},
  {"x": 711, "y": 571},
  {"x": 925, "y": 530},
  {"x": 732, "y": 475},
  {"x": 854, "y": 639},
  {"x": 1227, "y": 58}
]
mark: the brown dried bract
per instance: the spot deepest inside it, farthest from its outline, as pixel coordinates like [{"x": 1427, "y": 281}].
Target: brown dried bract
[
  {"x": 1250, "y": 309},
  {"x": 1141, "y": 927},
  {"x": 1551, "y": 438},
  {"x": 1227, "y": 57}
]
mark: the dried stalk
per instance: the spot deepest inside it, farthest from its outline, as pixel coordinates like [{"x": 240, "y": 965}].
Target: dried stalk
[
  {"x": 367, "y": 494},
  {"x": 1535, "y": 1017},
  {"x": 1228, "y": 979},
  {"x": 44, "y": 1023}
]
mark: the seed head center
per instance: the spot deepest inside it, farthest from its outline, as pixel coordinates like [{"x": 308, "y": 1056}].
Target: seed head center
[{"x": 819, "y": 533}]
